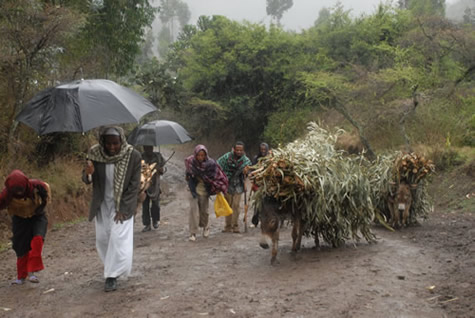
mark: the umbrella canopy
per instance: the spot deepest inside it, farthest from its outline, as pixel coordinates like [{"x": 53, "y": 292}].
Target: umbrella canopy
[
  {"x": 83, "y": 105},
  {"x": 159, "y": 132}
]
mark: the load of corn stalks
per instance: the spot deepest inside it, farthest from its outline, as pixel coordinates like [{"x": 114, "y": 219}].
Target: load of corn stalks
[
  {"x": 388, "y": 171},
  {"x": 331, "y": 190},
  {"x": 411, "y": 168},
  {"x": 147, "y": 173}
]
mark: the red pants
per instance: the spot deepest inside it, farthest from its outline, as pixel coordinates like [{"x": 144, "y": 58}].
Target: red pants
[{"x": 31, "y": 261}]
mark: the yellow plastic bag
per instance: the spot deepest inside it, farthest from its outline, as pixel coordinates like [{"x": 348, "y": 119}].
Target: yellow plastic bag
[{"x": 221, "y": 206}]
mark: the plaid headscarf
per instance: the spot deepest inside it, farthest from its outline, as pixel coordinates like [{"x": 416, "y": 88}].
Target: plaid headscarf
[
  {"x": 121, "y": 160},
  {"x": 232, "y": 165},
  {"x": 208, "y": 171}
]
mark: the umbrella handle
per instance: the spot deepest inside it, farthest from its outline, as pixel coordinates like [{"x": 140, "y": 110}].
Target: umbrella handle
[{"x": 89, "y": 176}]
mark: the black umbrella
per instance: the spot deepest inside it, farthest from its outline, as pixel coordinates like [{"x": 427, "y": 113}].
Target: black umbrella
[
  {"x": 82, "y": 105},
  {"x": 159, "y": 132}
]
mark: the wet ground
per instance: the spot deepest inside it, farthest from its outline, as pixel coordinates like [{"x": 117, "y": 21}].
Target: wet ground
[{"x": 425, "y": 271}]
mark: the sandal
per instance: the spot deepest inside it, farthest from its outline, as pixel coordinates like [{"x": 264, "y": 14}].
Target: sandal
[
  {"x": 20, "y": 281},
  {"x": 33, "y": 279}
]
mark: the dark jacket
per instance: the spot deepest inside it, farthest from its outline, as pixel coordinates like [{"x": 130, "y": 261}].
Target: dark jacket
[{"x": 128, "y": 202}]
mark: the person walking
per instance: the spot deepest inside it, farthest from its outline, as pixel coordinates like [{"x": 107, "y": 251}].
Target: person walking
[
  {"x": 204, "y": 178},
  {"x": 26, "y": 199},
  {"x": 235, "y": 165},
  {"x": 114, "y": 169},
  {"x": 152, "y": 194},
  {"x": 264, "y": 151}
]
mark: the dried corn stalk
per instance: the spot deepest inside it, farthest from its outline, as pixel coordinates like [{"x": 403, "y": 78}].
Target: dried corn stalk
[
  {"x": 338, "y": 195},
  {"x": 147, "y": 173},
  {"x": 331, "y": 190},
  {"x": 389, "y": 170},
  {"x": 411, "y": 168}
]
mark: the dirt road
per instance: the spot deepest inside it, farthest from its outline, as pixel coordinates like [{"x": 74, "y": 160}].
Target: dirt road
[{"x": 426, "y": 271}]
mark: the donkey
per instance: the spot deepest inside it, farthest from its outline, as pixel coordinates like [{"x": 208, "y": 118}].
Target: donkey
[{"x": 399, "y": 205}]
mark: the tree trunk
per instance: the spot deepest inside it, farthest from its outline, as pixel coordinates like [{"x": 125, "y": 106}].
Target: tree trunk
[
  {"x": 342, "y": 110},
  {"x": 404, "y": 116}
]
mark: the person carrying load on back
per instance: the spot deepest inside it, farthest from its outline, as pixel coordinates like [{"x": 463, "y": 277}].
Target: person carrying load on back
[
  {"x": 264, "y": 150},
  {"x": 26, "y": 200},
  {"x": 204, "y": 178},
  {"x": 235, "y": 165},
  {"x": 152, "y": 194}
]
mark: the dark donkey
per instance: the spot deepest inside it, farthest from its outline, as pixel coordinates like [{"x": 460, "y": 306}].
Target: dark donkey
[{"x": 272, "y": 214}]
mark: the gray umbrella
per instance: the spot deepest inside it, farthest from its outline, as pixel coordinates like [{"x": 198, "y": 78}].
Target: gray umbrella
[
  {"x": 159, "y": 132},
  {"x": 82, "y": 105}
]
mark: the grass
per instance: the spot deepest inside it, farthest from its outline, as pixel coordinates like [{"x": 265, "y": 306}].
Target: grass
[
  {"x": 5, "y": 246},
  {"x": 63, "y": 174},
  {"x": 453, "y": 190},
  {"x": 60, "y": 225},
  {"x": 64, "y": 177}
]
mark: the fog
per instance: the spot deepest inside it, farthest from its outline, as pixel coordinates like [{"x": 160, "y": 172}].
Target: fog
[{"x": 301, "y": 16}]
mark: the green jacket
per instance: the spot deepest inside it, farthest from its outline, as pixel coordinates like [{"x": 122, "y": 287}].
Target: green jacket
[{"x": 233, "y": 168}]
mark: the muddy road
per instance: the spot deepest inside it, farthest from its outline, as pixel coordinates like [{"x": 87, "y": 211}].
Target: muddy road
[{"x": 426, "y": 271}]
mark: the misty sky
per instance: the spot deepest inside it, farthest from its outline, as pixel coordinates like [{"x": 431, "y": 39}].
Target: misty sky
[{"x": 301, "y": 16}]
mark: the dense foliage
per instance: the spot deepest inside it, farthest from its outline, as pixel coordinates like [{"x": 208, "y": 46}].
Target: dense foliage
[
  {"x": 401, "y": 75},
  {"x": 388, "y": 75},
  {"x": 48, "y": 42}
]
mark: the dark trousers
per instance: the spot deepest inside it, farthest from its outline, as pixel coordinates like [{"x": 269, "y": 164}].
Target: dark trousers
[
  {"x": 28, "y": 238},
  {"x": 24, "y": 229},
  {"x": 155, "y": 211}
]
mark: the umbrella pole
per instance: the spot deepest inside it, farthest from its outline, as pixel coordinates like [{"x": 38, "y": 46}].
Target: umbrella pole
[{"x": 88, "y": 162}]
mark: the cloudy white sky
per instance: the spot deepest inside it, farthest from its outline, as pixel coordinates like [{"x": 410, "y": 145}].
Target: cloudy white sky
[{"x": 301, "y": 16}]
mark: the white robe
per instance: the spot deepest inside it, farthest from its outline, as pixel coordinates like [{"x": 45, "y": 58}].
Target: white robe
[{"x": 114, "y": 241}]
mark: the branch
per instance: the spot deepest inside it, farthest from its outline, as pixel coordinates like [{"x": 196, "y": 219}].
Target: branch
[
  {"x": 445, "y": 48},
  {"x": 342, "y": 110},
  {"x": 465, "y": 75},
  {"x": 402, "y": 121}
]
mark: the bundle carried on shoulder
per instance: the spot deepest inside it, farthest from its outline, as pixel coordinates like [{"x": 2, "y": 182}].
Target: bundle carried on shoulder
[{"x": 146, "y": 174}]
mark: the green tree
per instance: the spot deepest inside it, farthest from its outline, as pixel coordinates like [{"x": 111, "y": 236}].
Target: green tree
[
  {"x": 276, "y": 8},
  {"x": 146, "y": 48},
  {"x": 161, "y": 86},
  {"x": 374, "y": 66},
  {"x": 468, "y": 17},
  {"x": 323, "y": 16},
  {"x": 113, "y": 34},
  {"x": 172, "y": 12},
  {"x": 33, "y": 36},
  {"x": 426, "y": 7},
  {"x": 242, "y": 67}
]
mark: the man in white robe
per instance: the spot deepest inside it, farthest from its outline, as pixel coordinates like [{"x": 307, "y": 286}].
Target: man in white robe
[{"x": 114, "y": 170}]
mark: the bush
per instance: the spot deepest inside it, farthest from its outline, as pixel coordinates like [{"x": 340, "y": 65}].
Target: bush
[
  {"x": 468, "y": 138},
  {"x": 446, "y": 158},
  {"x": 286, "y": 126}
]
